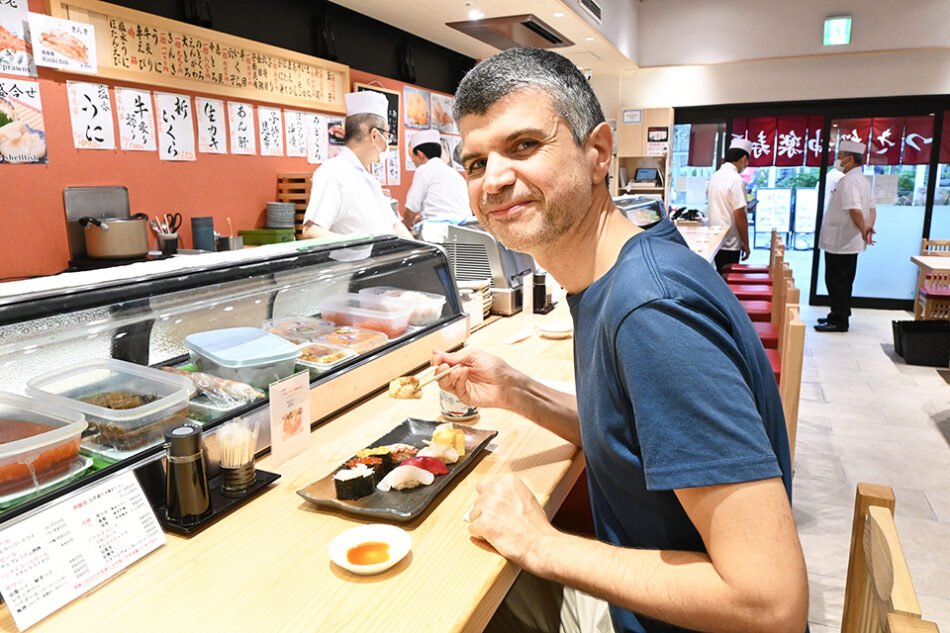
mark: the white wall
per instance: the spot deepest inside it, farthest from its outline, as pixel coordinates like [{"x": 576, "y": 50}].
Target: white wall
[
  {"x": 619, "y": 25},
  {"x": 710, "y": 31},
  {"x": 916, "y": 72},
  {"x": 607, "y": 89}
]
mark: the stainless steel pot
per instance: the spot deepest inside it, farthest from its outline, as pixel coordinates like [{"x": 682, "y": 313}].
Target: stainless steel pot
[{"x": 116, "y": 238}]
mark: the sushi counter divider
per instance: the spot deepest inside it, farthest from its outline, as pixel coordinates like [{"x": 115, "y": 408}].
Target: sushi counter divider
[{"x": 266, "y": 565}]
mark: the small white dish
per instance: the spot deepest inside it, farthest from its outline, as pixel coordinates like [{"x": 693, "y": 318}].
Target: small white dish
[
  {"x": 398, "y": 540},
  {"x": 557, "y": 330}
]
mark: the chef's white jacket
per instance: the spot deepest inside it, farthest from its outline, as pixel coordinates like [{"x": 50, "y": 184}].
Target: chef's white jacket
[
  {"x": 725, "y": 193},
  {"x": 438, "y": 192},
  {"x": 345, "y": 198},
  {"x": 839, "y": 234}
]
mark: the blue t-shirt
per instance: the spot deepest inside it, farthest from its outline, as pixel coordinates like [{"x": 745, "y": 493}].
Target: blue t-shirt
[{"x": 674, "y": 391}]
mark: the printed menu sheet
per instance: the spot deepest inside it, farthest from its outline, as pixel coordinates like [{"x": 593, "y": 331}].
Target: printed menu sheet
[
  {"x": 289, "y": 416},
  {"x": 63, "y": 44},
  {"x": 16, "y": 57},
  {"x": 51, "y": 558},
  {"x": 136, "y": 119},
  {"x": 211, "y": 133},
  {"x": 90, "y": 111},
  {"x": 176, "y": 132},
  {"x": 22, "y": 133},
  {"x": 241, "y": 126}
]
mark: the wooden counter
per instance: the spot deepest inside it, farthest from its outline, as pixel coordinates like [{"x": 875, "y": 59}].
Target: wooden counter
[
  {"x": 702, "y": 240},
  {"x": 264, "y": 568}
]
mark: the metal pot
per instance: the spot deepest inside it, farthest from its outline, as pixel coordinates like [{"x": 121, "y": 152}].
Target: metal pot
[{"x": 116, "y": 238}]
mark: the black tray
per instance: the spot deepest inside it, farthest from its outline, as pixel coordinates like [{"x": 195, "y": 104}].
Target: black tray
[
  {"x": 220, "y": 505},
  {"x": 402, "y": 505}
]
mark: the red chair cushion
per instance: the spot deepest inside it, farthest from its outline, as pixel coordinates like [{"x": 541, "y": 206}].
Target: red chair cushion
[
  {"x": 768, "y": 334},
  {"x": 776, "y": 362},
  {"x": 758, "y": 310},
  {"x": 935, "y": 291},
  {"x": 744, "y": 268},
  {"x": 751, "y": 278},
  {"x": 752, "y": 291}
]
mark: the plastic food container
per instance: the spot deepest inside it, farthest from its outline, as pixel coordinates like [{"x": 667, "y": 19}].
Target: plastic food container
[
  {"x": 321, "y": 357},
  {"x": 27, "y": 461},
  {"x": 129, "y": 405},
  {"x": 369, "y": 312},
  {"x": 353, "y": 338},
  {"x": 426, "y": 306},
  {"x": 245, "y": 354},
  {"x": 296, "y": 329}
]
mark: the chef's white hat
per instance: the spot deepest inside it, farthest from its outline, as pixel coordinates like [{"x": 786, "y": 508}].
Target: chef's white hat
[
  {"x": 741, "y": 143},
  {"x": 366, "y": 102},
  {"x": 425, "y": 136},
  {"x": 851, "y": 147}
]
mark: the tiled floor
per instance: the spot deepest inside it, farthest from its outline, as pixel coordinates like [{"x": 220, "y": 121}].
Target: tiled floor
[{"x": 865, "y": 415}]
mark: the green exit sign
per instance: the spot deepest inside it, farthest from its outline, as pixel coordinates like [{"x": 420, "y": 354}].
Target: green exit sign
[{"x": 837, "y": 31}]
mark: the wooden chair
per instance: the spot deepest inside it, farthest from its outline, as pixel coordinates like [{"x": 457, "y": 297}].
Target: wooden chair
[
  {"x": 790, "y": 385},
  {"x": 878, "y": 582},
  {"x": 745, "y": 268},
  {"x": 933, "y": 290},
  {"x": 897, "y": 623},
  {"x": 733, "y": 278},
  {"x": 759, "y": 291}
]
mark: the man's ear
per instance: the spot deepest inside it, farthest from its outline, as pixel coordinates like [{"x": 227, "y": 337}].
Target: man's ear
[{"x": 598, "y": 148}]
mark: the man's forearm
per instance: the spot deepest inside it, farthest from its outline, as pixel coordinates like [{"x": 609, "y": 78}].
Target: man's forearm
[
  {"x": 742, "y": 227},
  {"x": 312, "y": 231},
  {"x": 857, "y": 216},
  {"x": 548, "y": 407}
]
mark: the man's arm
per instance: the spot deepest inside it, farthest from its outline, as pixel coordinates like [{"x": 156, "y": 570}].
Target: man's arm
[
  {"x": 401, "y": 231},
  {"x": 311, "y": 231},
  {"x": 869, "y": 230},
  {"x": 857, "y": 216},
  {"x": 752, "y": 579},
  {"x": 410, "y": 217},
  {"x": 742, "y": 228}
]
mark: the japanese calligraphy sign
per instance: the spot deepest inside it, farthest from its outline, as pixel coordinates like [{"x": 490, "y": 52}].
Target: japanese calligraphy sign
[
  {"x": 816, "y": 123},
  {"x": 22, "y": 134},
  {"x": 762, "y": 134},
  {"x": 271, "y": 128},
  {"x": 918, "y": 139},
  {"x": 702, "y": 144},
  {"x": 790, "y": 141},
  {"x": 379, "y": 171},
  {"x": 136, "y": 119},
  {"x": 886, "y": 136},
  {"x": 857, "y": 130},
  {"x": 144, "y": 48},
  {"x": 295, "y": 131},
  {"x": 241, "y": 126},
  {"x": 53, "y": 557},
  {"x": 393, "y": 168},
  {"x": 90, "y": 111},
  {"x": 176, "y": 131},
  {"x": 16, "y": 55},
  {"x": 211, "y": 132},
  {"x": 740, "y": 128},
  {"x": 63, "y": 44},
  {"x": 317, "y": 140}
]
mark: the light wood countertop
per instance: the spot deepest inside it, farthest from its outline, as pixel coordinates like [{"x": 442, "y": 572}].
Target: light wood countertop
[
  {"x": 265, "y": 566},
  {"x": 705, "y": 241}
]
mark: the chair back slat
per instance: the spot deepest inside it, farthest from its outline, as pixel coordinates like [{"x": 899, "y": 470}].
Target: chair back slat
[
  {"x": 792, "y": 354},
  {"x": 897, "y": 623}
]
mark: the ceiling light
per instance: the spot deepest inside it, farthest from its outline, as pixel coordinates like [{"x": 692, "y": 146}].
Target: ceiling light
[
  {"x": 559, "y": 15},
  {"x": 475, "y": 14},
  {"x": 837, "y": 31},
  {"x": 589, "y": 38}
]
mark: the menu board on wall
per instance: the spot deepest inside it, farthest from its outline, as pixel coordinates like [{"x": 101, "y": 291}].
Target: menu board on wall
[{"x": 136, "y": 46}]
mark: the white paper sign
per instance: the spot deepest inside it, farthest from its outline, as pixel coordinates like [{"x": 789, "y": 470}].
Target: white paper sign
[
  {"x": 379, "y": 172},
  {"x": 317, "y": 139},
  {"x": 53, "y": 557},
  {"x": 289, "y": 416},
  {"x": 410, "y": 166},
  {"x": 63, "y": 44},
  {"x": 90, "y": 111},
  {"x": 136, "y": 119},
  {"x": 211, "y": 134},
  {"x": 16, "y": 57},
  {"x": 271, "y": 129},
  {"x": 176, "y": 129},
  {"x": 442, "y": 114},
  {"x": 24, "y": 137},
  {"x": 631, "y": 116},
  {"x": 295, "y": 129},
  {"x": 241, "y": 126},
  {"x": 773, "y": 210},
  {"x": 806, "y": 208},
  {"x": 885, "y": 188},
  {"x": 393, "y": 167},
  {"x": 695, "y": 190}
]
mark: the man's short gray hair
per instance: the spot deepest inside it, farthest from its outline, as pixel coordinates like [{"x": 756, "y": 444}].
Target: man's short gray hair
[
  {"x": 531, "y": 69},
  {"x": 858, "y": 157},
  {"x": 356, "y": 127}
]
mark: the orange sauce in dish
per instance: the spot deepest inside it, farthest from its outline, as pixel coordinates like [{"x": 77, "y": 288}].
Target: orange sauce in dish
[{"x": 369, "y": 553}]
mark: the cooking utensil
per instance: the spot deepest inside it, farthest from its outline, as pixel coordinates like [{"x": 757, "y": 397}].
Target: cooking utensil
[
  {"x": 172, "y": 222},
  {"x": 116, "y": 238}
]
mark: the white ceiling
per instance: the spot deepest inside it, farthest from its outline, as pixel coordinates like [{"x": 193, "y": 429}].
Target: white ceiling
[{"x": 427, "y": 18}]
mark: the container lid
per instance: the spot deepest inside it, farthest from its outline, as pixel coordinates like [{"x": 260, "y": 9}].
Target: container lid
[
  {"x": 241, "y": 347},
  {"x": 64, "y": 421}
]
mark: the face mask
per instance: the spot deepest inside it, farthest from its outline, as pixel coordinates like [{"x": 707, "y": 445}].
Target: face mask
[
  {"x": 839, "y": 164},
  {"x": 382, "y": 152}
]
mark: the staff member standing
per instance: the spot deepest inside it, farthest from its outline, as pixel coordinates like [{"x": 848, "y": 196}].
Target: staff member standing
[
  {"x": 846, "y": 230},
  {"x": 726, "y": 204},
  {"x": 438, "y": 192},
  {"x": 345, "y": 198}
]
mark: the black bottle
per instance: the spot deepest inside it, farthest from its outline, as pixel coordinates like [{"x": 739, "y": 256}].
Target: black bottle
[
  {"x": 186, "y": 481},
  {"x": 540, "y": 293}
]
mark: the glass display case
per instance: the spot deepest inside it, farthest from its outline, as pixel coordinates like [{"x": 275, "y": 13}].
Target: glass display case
[{"x": 354, "y": 315}]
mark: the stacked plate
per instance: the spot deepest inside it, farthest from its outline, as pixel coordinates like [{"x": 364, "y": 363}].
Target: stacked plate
[
  {"x": 480, "y": 288},
  {"x": 280, "y": 215}
]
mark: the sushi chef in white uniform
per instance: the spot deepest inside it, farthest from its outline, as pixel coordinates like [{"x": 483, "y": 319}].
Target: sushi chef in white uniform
[
  {"x": 438, "y": 192},
  {"x": 345, "y": 198}
]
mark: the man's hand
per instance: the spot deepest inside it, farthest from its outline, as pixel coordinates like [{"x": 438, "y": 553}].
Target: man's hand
[
  {"x": 868, "y": 235},
  {"x": 507, "y": 516},
  {"x": 482, "y": 381},
  {"x": 744, "y": 252}
]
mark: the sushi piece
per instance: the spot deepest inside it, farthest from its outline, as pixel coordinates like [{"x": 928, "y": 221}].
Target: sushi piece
[
  {"x": 443, "y": 452},
  {"x": 384, "y": 453},
  {"x": 405, "y": 388},
  {"x": 432, "y": 464},
  {"x": 402, "y": 452},
  {"x": 448, "y": 434},
  {"x": 354, "y": 483},
  {"x": 376, "y": 463},
  {"x": 405, "y": 477}
]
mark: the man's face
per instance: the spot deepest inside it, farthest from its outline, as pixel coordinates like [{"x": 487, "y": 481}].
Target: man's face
[{"x": 528, "y": 181}]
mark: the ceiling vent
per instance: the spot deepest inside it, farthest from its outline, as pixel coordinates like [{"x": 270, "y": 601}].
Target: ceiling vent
[
  {"x": 513, "y": 31},
  {"x": 593, "y": 10}
]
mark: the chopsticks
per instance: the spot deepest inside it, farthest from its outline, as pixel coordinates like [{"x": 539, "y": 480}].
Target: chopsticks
[{"x": 434, "y": 377}]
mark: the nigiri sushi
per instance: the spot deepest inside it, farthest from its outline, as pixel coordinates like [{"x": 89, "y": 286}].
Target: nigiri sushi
[
  {"x": 404, "y": 477},
  {"x": 402, "y": 452},
  {"x": 432, "y": 464},
  {"x": 443, "y": 452}
]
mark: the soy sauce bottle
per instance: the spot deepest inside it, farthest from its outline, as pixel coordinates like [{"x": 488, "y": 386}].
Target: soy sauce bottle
[{"x": 187, "y": 500}]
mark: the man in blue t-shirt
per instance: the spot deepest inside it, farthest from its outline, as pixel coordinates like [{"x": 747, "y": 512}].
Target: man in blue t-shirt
[{"x": 678, "y": 413}]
